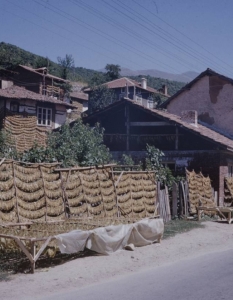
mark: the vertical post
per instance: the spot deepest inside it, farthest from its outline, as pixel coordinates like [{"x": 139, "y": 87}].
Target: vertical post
[
  {"x": 177, "y": 139},
  {"x": 45, "y": 196},
  {"x": 127, "y": 127},
  {"x": 223, "y": 172},
  {"x": 174, "y": 199},
  {"x": 33, "y": 253},
  {"x": 127, "y": 90},
  {"x": 16, "y": 197},
  {"x": 158, "y": 198},
  {"x": 216, "y": 198},
  {"x": 168, "y": 210},
  {"x": 181, "y": 199}
]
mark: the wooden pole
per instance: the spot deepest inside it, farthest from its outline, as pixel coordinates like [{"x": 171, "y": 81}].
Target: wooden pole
[
  {"x": 118, "y": 212},
  {"x": 16, "y": 198},
  {"x": 127, "y": 127},
  {"x": 46, "y": 204},
  {"x": 174, "y": 199},
  {"x": 177, "y": 138}
]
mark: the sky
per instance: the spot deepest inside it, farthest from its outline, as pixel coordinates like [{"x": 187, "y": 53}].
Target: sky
[{"x": 174, "y": 36}]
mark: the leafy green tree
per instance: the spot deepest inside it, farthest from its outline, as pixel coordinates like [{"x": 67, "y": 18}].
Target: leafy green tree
[
  {"x": 127, "y": 160},
  {"x": 97, "y": 79},
  {"x": 41, "y": 62},
  {"x": 100, "y": 97},
  {"x": 66, "y": 64},
  {"x": 112, "y": 72},
  {"x": 7, "y": 145},
  {"x": 154, "y": 162},
  {"x": 76, "y": 145}
]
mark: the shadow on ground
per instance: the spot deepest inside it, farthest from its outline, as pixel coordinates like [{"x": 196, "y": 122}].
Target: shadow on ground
[{"x": 12, "y": 263}]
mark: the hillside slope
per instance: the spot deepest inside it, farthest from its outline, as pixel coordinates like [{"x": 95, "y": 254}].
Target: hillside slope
[{"x": 11, "y": 55}]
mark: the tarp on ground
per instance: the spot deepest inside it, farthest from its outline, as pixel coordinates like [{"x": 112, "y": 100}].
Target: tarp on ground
[{"x": 109, "y": 239}]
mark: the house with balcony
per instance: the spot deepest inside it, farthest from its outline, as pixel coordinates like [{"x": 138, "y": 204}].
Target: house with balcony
[
  {"x": 39, "y": 81},
  {"x": 138, "y": 91}
]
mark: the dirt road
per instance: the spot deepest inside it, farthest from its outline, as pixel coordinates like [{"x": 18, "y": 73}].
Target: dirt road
[{"x": 215, "y": 237}]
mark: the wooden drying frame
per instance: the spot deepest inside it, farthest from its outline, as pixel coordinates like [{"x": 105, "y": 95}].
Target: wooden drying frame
[
  {"x": 220, "y": 210},
  {"x": 32, "y": 255}
]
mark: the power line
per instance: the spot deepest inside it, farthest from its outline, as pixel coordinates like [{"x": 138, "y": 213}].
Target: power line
[
  {"x": 199, "y": 45},
  {"x": 130, "y": 32},
  {"x": 64, "y": 37},
  {"x": 138, "y": 16},
  {"x": 101, "y": 33},
  {"x": 201, "y": 55}
]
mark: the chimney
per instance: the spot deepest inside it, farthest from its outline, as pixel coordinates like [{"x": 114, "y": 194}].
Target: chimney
[
  {"x": 189, "y": 116},
  {"x": 164, "y": 89},
  {"x": 144, "y": 83},
  {"x": 4, "y": 84}
]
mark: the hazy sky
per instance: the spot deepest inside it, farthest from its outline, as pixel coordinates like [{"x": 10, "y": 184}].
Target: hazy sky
[{"x": 169, "y": 35}]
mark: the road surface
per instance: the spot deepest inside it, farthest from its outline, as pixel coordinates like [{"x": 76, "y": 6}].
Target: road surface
[{"x": 208, "y": 277}]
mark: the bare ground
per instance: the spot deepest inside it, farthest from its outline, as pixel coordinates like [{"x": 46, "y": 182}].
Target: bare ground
[{"x": 87, "y": 270}]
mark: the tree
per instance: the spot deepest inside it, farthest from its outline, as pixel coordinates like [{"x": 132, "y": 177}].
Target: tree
[
  {"x": 42, "y": 62},
  {"x": 7, "y": 145},
  {"x": 76, "y": 145},
  {"x": 100, "y": 97},
  {"x": 112, "y": 71},
  {"x": 154, "y": 162},
  {"x": 66, "y": 64},
  {"x": 97, "y": 79}
]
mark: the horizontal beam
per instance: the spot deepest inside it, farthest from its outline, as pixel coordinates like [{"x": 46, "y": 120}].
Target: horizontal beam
[
  {"x": 150, "y": 124},
  {"x": 142, "y": 135}
]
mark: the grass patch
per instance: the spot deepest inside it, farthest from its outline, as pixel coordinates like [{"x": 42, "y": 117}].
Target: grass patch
[{"x": 179, "y": 226}]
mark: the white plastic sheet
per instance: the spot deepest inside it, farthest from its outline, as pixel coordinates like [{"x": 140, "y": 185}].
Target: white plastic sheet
[{"x": 106, "y": 240}]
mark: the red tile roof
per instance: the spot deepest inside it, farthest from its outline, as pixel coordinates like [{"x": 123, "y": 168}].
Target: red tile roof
[
  {"x": 122, "y": 82},
  {"x": 199, "y": 129},
  {"x": 79, "y": 95},
  {"x": 39, "y": 73},
  {"x": 16, "y": 92}
]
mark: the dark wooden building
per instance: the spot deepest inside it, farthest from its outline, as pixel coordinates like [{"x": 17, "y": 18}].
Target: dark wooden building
[
  {"x": 129, "y": 127},
  {"x": 39, "y": 81}
]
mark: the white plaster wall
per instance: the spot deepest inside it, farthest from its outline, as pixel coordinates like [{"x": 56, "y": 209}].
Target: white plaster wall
[
  {"x": 198, "y": 98},
  {"x": 6, "y": 83},
  {"x": 60, "y": 116},
  {"x": 85, "y": 105}
]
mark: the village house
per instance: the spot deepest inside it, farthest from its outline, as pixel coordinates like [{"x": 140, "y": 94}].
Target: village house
[
  {"x": 38, "y": 81},
  {"x": 28, "y": 116},
  {"x": 131, "y": 89},
  {"x": 79, "y": 100},
  {"x": 129, "y": 127},
  {"x": 211, "y": 95}
]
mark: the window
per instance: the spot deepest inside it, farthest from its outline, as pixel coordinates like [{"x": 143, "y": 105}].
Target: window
[
  {"x": 14, "y": 106},
  {"x": 44, "y": 116}
]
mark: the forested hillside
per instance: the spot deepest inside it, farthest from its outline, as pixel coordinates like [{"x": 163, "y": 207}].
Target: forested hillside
[{"x": 11, "y": 56}]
